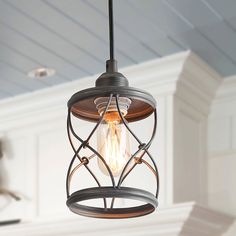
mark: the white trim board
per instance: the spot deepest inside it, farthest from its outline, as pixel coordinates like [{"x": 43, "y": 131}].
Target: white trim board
[
  {"x": 227, "y": 90},
  {"x": 179, "y": 219}
]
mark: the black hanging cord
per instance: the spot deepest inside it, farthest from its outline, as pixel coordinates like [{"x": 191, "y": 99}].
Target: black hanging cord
[{"x": 111, "y": 32}]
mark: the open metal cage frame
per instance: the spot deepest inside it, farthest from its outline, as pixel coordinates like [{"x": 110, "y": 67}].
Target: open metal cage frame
[{"x": 116, "y": 190}]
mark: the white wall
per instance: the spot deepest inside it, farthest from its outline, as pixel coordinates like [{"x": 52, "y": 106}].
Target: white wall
[
  {"x": 222, "y": 149},
  {"x": 37, "y": 152}
]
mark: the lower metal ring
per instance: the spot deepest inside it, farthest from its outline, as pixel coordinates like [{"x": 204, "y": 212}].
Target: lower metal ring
[{"x": 111, "y": 192}]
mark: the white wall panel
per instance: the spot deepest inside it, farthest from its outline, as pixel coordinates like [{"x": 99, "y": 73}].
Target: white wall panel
[
  {"x": 220, "y": 133},
  {"x": 53, "y": 157},
  {"x": 190, "y": 159},
  {"x": 188, "y": 153},
  {"x": 222, "y": 183},
  {"x": 222, "y": 149},
  {"x": 234, "y": 131}
]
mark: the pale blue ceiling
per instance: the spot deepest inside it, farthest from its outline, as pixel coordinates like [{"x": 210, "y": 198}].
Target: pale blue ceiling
[{"x": 71, "y": 36}]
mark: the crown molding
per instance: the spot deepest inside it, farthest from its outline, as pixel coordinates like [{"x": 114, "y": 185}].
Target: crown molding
[
  {"x": 178, "y": 219},
  {"x": 198, "y": 83},
  {"x": 183, "y": 74},
  {"x": 227, "y": 90}
]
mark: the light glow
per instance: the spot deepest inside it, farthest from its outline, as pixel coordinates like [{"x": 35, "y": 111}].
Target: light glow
[{"x": 113, "y": 143}]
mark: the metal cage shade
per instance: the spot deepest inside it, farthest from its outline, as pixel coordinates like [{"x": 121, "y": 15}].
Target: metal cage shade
[
  {"x": 111, "y": 103},
  {"x": 82, "y": 103},
  {"x": 82, "y": 106}
]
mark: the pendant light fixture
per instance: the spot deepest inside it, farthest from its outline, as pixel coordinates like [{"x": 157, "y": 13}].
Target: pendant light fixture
[{"x": 111, "y": 105}]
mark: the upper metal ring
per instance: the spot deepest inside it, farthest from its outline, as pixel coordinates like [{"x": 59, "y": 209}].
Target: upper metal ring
[{"x": 82, "y": 103}]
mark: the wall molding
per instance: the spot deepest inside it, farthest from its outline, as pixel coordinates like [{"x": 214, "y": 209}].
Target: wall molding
[
  {"x": 159, "y": 76},
  {"x": 179, "y": 219},
  {"x": 227, "y": 90}
]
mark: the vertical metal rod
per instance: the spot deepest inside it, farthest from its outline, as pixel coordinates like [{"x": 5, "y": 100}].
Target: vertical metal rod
[{"x": 111, "y": 31}]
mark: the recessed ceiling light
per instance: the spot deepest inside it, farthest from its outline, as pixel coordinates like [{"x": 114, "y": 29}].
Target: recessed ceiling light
[{"x": 41, "y": 72}]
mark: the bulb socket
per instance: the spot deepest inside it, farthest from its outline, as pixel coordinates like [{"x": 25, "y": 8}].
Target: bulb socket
[{"x": 101, "y": 104}]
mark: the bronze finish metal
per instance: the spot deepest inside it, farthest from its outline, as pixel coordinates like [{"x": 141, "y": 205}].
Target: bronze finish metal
[
  {"x": 116, "y": 190},
  {"x": 111, "y": 84}
]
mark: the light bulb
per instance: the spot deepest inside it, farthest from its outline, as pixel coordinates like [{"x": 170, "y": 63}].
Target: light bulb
[{"x": 113, "y": 138}]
